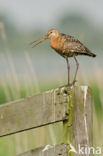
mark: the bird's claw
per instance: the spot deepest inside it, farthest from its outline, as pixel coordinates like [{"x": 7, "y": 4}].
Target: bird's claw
[
  {"x": 72, "y": 84},
  {"x": 69, "y": 84}
]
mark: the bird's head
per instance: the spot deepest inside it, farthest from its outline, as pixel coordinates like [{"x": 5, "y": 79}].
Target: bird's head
[{"x": 51, "y": 33}]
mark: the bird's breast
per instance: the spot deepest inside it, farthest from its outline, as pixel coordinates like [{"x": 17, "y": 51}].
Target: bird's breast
[{"x": 56, "y": 44}]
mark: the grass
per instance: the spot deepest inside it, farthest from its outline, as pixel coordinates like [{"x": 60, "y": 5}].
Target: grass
[{"x": 13, "y": 87}]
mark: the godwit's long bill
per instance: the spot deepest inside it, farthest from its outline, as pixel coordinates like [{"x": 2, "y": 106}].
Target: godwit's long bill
[{"x": 36, "y": 42}]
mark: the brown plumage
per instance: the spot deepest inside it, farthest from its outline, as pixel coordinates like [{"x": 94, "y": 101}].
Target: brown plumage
[{"x": 66, "y": 46}]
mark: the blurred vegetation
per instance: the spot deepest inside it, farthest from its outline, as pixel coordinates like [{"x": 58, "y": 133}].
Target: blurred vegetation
[
  {"x": 75, "y": 24},
  {"x": 12, "y": 87}
]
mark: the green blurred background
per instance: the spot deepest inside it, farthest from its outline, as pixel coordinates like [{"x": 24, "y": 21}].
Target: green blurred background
[{"x": 25, "y": 71}]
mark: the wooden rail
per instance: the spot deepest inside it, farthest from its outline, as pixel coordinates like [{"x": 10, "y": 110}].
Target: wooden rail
[
  {"x": 48, "y": 150},
  {"x": 72, "y": 106},
  {"x": 32, "y": 112}
]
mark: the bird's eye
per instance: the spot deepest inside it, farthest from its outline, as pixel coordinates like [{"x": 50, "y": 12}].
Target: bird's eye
[{"x": 51, "y": 32}]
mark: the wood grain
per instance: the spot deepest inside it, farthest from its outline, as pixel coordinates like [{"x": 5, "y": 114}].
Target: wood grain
[
  {"x": 32, "y": 112},
  {"x": 48, "y": 150}
]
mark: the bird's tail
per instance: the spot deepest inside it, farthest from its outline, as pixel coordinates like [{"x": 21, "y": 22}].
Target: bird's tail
[
  {"x": 93, "y": 55},
  {"x": 89, "y": 53}
]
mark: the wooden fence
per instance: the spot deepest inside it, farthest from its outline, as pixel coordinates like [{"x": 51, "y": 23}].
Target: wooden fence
[{"x": 71, "y": 106}]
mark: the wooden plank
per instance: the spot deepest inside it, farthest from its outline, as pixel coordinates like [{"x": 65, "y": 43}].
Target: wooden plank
[
  {"x": 32, "y": 112},
  {"x": 48, "y": 150},
  {"x": 82, "y": 120},
  {"x": 79, "y": 123}
]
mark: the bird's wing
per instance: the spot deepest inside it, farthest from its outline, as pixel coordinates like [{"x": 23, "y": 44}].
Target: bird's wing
[
  {"x": 76, "y": 47},
  {"x": 72, "y": 44}
]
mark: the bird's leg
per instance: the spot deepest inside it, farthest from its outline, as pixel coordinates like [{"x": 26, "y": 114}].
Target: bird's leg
[
  {"x": 68, "y": 67},
  {"x": 77, "y": 66}
]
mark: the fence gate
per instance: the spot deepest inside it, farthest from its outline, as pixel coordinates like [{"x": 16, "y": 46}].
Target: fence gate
[{"x": 71, "y": 106}]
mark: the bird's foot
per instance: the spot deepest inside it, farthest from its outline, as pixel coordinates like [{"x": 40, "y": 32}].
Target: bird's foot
[
  {"x": 73, "y": 83},
  {"x": 69, "y": 84}
]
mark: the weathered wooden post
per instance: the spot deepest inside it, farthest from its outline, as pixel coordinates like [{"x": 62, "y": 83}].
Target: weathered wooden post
[
  {"x": 71, "y": 106},
  {"x": 78, "y": 126}
]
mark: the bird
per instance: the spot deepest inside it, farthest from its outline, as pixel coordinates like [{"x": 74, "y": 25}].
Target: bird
[{"x": 67, "y": 46}]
